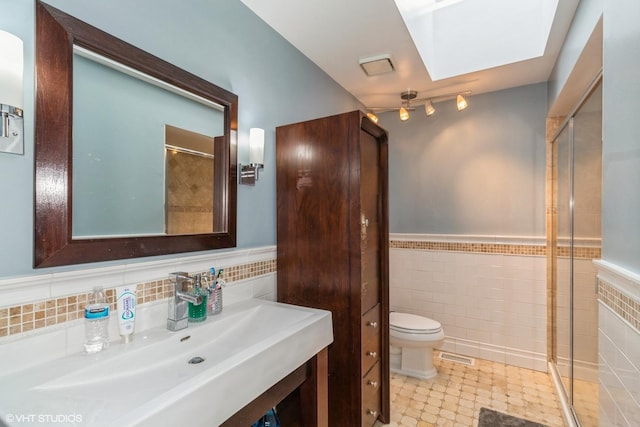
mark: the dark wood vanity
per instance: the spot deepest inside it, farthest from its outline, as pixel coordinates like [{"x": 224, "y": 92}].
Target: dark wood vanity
[
  {"x": 332, "y": 185},
  {"x": 304, "y": 392}
]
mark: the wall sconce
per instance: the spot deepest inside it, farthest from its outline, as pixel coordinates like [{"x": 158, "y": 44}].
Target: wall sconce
[
  {"x": 249, "y": 173},
  {"x": 11, "y": 97}
]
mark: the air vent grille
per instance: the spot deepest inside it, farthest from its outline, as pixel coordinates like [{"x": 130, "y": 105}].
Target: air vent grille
[
  {"x": 470, "y": 361},
  {"x": 375, "y": 65}
]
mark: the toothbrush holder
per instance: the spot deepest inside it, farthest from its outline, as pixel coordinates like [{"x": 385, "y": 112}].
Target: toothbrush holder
[{"x": 215, "y": 301}]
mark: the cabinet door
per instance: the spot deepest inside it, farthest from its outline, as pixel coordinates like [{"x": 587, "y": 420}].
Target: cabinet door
[{"x": 370, "y": 205}]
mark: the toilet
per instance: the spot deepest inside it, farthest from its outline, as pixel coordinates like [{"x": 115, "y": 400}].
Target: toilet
[{"x": 413, "y": 339}]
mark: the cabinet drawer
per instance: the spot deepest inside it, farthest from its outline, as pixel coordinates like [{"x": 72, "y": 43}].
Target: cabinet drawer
[
  {"x": 371, "y": 396},
  {"x": 370, "y": 338}
]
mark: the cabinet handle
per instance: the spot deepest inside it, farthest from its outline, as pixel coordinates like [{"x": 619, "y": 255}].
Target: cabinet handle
[
  {"x": 373, "y": 324},
  {"x": 372, "y": 353},
  {"x": 372, "y": 413},
  {"x": 373, "y": 384}
]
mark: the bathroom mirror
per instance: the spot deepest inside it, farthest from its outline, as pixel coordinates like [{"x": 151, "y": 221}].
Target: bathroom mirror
[{"x": 104, "y": 150}]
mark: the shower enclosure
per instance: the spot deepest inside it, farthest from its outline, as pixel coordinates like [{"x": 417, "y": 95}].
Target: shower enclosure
[{"x": 575, "y": 242}]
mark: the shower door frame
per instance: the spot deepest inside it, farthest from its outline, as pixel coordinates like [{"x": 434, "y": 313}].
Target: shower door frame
[{"x": 566, "y": 396}]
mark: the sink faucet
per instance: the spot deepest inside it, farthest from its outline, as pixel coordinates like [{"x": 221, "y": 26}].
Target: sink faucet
[{"x": 178, "y": 314}]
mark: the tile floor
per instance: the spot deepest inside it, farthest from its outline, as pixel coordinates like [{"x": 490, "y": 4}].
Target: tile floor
[
  {"x": 586, "y": 402},
  {"x": 455, "y": 396}
]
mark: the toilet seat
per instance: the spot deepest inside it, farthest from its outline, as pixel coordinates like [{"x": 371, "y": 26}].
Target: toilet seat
[{"x": 413, "y": 324}]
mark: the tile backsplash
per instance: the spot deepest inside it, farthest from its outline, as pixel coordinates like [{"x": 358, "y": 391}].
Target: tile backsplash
[{"x": 22, "y": 318}]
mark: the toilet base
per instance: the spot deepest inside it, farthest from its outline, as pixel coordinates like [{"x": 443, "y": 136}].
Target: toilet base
[
  {"x": 413, "y": 362},
  {"x": 423, "y": 375}
]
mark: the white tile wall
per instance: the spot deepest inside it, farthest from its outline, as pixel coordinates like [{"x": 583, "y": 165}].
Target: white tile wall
[
  {"x": 619, "y": 354},
  {"x": 490, "y": 305},
  {"x": 619, "y": 371}
]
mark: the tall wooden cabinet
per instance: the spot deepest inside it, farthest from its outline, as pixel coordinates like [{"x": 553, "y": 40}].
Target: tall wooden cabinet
[{"x": 333, "y": 251}]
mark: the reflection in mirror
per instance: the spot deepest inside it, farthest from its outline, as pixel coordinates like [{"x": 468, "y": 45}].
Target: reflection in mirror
[
  {"x": 118, "y": 155},
  {"x": 189, "y": 176},
  {"x": 100, "y": 157}
]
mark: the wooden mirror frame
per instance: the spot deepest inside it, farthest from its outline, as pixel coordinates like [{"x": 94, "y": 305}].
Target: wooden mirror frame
[{"x": 56, "y": 34}]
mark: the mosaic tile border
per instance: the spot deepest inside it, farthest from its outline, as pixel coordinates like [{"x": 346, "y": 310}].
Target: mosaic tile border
[
  {"x": 488, "y": 248},
  {"x": 494, "y": 248},
  {"x": 580, "y": 252},
  {"x": 27, "y": 317},
  {"x": 622, "y": 304}
]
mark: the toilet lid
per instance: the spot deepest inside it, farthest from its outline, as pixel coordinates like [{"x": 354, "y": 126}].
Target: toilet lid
[{"x": 413, "y": 323}]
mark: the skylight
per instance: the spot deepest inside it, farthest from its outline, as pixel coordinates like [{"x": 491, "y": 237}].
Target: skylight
[{"x": 456, "y": 37}]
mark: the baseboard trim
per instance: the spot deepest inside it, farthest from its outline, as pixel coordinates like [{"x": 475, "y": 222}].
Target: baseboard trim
[{"x": 501, "y": 354}]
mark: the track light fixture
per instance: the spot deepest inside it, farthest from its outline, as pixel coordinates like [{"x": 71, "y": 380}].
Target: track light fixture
[
  {"x": 406, "y": 97},
  {"x": 429, "y": 109},
  {"x": 373, "y": 117},
  {"x": 410, "y": 100},
  {"x": 461, "y": 103}
]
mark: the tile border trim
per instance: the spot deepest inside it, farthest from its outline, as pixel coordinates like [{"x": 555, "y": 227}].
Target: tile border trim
[
  {"x": 501, "y": 245},
  {"x": 619, "y": 290}
]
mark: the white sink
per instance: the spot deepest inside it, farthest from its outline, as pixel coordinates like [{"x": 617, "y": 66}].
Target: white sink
[{"x": 245, "y": 350}]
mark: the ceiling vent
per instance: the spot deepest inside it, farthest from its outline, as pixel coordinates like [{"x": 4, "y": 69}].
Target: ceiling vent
[{"x": 375, "y": 65}]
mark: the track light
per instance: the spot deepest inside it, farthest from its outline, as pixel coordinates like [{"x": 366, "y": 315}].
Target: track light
[
  {"x": 406, "y": 96},
  {"x": 461, "y": 102},
  {"x": 410, "y": 97},
  {"x": 429, "y": 109}
]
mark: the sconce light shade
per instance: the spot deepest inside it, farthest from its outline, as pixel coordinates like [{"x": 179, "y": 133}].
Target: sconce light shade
[
  {"x": 373, "y": 117},
  {"x": 11, "y": 96},
  {"x": 10, "y": 70},
  {"x": 249, "y": 173},
  {"x": 429, "y": 109},
  {"x": 404, "y": 114},
  {"x": 256, "y": 146},
  {"x": 461, "y": 103}
]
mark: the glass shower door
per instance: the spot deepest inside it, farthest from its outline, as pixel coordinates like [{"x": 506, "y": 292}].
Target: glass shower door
[
  {"x": 563, "y": 200},
  {"x": 577, "y": 177},
  {"x": 587, "y": 191}
]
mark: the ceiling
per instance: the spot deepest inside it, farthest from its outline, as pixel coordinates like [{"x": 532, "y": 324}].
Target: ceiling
[{"x": 336, "y": 34}]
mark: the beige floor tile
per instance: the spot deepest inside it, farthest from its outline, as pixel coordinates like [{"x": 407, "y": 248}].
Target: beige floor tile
[{"x": 455, "y": 396}]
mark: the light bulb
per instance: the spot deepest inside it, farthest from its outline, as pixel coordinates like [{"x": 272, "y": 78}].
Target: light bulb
[
  {"x": 461, "y": 103},
  {"x": 429, "y": 109}
]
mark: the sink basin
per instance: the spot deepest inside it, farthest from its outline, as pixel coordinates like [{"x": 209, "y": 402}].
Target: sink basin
[{"x": 235, "y": 357}]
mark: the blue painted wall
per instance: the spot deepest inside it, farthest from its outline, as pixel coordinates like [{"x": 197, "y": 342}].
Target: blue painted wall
[
  {"x": 621, "y": 135},
  {"x": 478, "y": 171}
]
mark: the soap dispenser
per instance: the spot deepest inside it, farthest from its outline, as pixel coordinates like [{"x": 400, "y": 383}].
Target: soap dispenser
[{"x": 198, "y": 312}]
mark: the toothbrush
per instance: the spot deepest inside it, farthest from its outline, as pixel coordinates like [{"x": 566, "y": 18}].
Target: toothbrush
[
  {"x": 218, "y": 285},
  {"x": 212, "y": 274}
]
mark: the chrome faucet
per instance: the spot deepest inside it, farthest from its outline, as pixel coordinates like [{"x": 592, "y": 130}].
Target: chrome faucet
[{"x": 178, "y": 315}]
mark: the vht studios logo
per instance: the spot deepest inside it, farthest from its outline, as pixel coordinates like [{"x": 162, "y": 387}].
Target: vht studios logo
[{"x": 44, "y": 418}]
